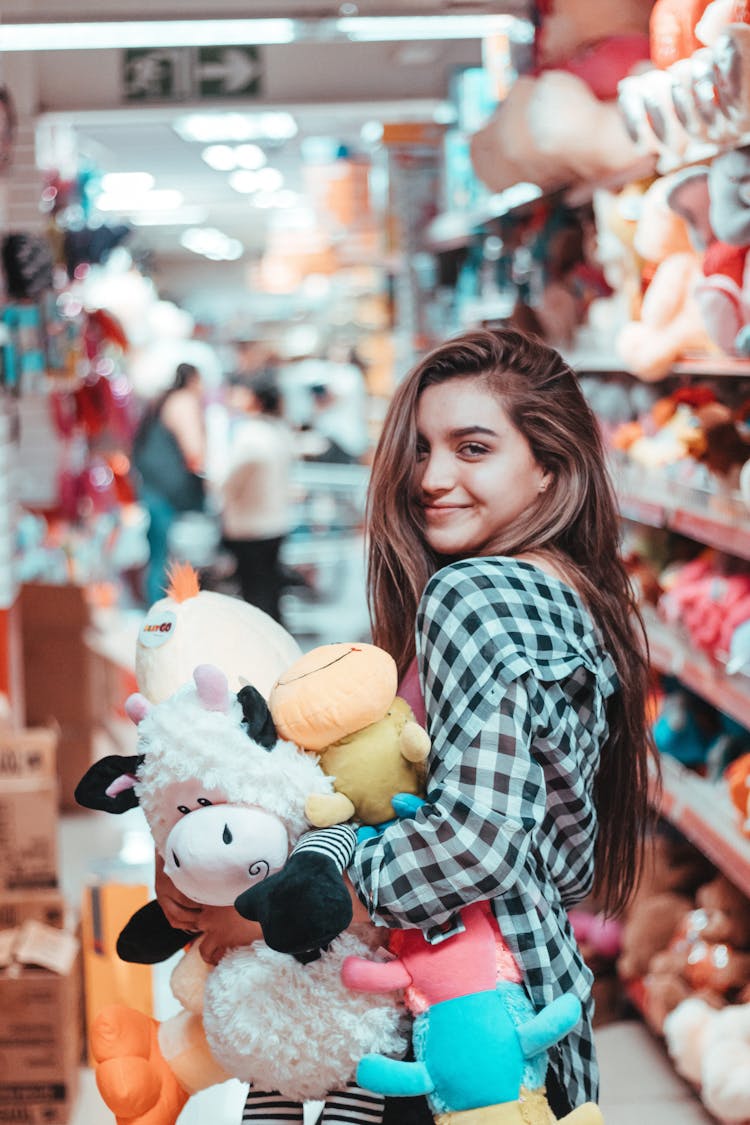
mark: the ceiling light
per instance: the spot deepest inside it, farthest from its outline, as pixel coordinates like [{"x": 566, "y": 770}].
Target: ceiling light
[
  {"x": 120, "y": 34},
  {"x": 168, "y": 199},
  {"x": 184, "y": 216},
  {"x": 220, "y": 157},
  {"x": 247, "y": 182},
  {"x": 123, "y": 183},
  {"x": 215, "y": 128},
  {"x": 212, "y": 243},
  {"x": 394, "y": 29},
  {"x": 249, "y": 156}
]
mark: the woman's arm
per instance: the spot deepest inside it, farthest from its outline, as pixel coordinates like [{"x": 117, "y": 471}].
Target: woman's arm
[
  {"x": 475, "y": 836},
  {"x": 182, "y": 413}
]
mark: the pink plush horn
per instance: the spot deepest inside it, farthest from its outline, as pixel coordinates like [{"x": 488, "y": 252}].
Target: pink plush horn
[
  {"x": 213, "y": 687},
  {"x": 137, "y": 707}
]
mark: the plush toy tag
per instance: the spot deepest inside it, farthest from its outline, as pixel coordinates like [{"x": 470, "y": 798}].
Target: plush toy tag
[{"x": 158, "y": 628}]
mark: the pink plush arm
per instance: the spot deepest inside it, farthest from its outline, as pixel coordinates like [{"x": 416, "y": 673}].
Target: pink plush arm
[{"x": 362, "y": 975}]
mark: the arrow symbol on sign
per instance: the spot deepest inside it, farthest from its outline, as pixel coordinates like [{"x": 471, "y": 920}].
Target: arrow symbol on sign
[{"x": 235, "y": 70}]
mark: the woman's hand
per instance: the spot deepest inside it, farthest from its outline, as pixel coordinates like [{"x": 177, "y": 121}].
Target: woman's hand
[
  {"x": 359, "y": 910},
  {"x": 179, "y": 910},
  {"x": 224, "y": 929}
]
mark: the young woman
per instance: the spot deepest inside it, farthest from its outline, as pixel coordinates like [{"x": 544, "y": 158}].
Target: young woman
[{"x": 493, "y": 526}]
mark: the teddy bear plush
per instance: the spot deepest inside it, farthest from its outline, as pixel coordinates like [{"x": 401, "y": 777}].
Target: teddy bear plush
[
  {"x": 339, "y": 701},
  {"x": 710, "y": 1047},
  {"x": 224, "y": 798},
  {"x": 670, "y": 323}
]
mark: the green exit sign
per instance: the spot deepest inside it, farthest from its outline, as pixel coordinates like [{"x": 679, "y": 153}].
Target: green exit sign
[{"x": 152, "y": 74}]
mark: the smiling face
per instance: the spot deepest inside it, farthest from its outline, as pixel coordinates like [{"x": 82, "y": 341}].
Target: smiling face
[{"x": 475, "y": 472}]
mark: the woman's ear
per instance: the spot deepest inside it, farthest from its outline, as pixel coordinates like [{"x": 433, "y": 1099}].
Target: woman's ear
[{"x": 546, "y": 481}]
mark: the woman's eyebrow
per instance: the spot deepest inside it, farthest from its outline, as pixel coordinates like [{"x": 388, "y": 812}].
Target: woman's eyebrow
[{"x": 465, "y": 431}]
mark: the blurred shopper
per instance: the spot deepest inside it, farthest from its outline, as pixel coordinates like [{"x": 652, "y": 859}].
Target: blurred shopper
[
  {"x": 256, "y": 492},
  {"x": 169, "y": 452}
]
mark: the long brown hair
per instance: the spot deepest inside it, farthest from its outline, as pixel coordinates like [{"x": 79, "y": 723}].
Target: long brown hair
[{"x": 574, "y": 523}]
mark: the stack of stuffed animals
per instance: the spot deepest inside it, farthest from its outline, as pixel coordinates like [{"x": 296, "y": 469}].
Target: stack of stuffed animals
[{"x": 227, "y": 793}]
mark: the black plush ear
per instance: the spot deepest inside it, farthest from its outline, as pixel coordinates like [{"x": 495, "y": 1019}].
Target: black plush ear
[
  {"x": 257, "y": 717},
  {"x": 148, "y": 938},
  {"x": 108, "y": 784}
]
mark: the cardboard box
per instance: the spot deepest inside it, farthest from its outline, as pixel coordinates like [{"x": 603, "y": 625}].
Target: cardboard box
[
  {"x": 40, "y": 1032},
  {"x": 17, "y": 907},
  {"x": 28, "y": 809}
]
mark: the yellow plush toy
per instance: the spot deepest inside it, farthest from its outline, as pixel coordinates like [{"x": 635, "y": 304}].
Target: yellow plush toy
[{"x": 340, "y": 701}]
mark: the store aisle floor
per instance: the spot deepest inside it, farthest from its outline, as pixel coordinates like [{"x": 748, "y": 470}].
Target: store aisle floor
[{"x": 638, "y": 1082}]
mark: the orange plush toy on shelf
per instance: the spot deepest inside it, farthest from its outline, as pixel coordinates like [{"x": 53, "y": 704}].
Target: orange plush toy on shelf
[{"x": 738, "y": 778}]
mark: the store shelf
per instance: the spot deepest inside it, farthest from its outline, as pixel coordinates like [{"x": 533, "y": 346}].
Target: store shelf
[
  {"x": 704, "y": 814},
  {"x": 716, "y": 520},
  {"x": 673, "y": 655}
]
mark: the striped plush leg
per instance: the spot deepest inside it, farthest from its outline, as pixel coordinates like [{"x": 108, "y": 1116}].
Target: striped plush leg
[
  {"x": 353, "y": 1106},
  {"x": 270, "y": 1109}
]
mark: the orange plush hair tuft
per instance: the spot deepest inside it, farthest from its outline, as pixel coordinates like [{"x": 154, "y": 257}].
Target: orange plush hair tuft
[{"x": 183, "y": 582}]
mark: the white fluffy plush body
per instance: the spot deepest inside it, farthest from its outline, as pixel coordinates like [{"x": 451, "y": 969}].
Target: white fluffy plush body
[{"x": 263, "y": 1010}]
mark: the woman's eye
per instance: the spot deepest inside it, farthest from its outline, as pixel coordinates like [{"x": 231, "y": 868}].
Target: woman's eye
[
  {"x": 422, "y": 452},
  {"x": 204, "y": 802},
  {"x": 473, "y": 449},
  {"x": 183, "y": 809}
]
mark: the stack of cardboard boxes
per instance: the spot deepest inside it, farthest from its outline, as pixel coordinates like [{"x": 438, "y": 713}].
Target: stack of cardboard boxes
[{"x": 40, "y": 965}]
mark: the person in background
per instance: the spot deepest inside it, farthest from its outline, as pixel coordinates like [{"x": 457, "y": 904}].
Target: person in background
[
  {"x": 169, "y": 450},
  {"x": 255, "y": 495},
  {"x": 495, "y": 581}
]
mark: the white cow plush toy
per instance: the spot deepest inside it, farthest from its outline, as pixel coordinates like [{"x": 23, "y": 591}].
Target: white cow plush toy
[{"x": 224, "y": 799}]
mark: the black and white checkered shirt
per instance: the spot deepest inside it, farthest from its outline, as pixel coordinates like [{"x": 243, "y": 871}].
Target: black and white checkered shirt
[{"x": 515, "y": 681}]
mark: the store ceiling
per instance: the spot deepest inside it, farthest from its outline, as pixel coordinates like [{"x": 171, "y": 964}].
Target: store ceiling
[{"x": 332, "y": 89}]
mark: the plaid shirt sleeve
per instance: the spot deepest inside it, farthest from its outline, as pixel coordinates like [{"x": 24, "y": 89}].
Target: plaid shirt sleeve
[{"x": 474, "y": 837}]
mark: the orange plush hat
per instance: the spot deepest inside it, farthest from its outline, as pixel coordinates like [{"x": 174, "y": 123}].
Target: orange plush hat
[{"x": 340, "y": 701}]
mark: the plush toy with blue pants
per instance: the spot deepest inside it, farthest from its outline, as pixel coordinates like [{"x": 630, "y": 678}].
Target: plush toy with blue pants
[{"x": 480, "y": 1048}]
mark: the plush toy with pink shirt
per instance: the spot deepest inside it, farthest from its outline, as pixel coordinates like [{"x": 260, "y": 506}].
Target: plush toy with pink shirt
[{"x": 480, "y": 1048}]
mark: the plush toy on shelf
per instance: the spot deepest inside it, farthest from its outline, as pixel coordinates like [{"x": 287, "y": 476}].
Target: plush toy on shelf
[
  {"x": 738, "y": 778},
  {"x": 670, "y": 323},
  {"x": 711, "y": 1047},
  {"x": 339, "y": 701},
  {"x": 481, "y": 1049},
  {"x": 562, "y": 125},
  {"x": 712, "y": 201},
  {"x": 224, "y": 799}
]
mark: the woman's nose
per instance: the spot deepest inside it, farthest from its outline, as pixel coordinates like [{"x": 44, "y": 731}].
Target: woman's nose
[{"x": 438, "y": 473}]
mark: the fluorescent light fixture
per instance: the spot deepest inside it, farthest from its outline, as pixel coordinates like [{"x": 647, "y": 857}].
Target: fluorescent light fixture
[
  {"x": 212, "y": 243},
  {"x": 225, "y": 158},
  {"x": 115, "y": 34},
  {"x": 395, "y": 29},
  {"x": 183, "y": 217},
  {"x": 220, "y": 157},
  {"x": 250, "y": 156},
  {"x": 265, "y": 179},
  {"x": 123, "y": 183},
  {"x": 167, "y": 199},
  {"x": 237, "y": 128}
]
